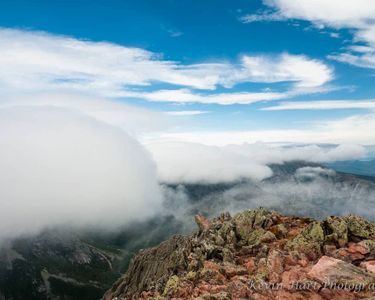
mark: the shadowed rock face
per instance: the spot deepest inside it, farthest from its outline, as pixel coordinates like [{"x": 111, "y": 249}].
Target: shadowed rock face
[
  {"x": 153, "y": 267},
  {"x": 257, "y": 254}
]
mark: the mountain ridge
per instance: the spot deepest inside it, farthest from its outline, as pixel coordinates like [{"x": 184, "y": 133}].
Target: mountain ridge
[{"x": 257, "y": 254}]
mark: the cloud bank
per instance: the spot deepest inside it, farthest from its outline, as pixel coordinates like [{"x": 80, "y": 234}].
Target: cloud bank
[
  {"x": 132, "y": 119},
  {"x": 58, "y": 166},
  {"x": 305, "y": 191},
  {"x": 183, "y": 162},
  {"x": 187, "y": 162},
  {"x": 356, "y": 129}
]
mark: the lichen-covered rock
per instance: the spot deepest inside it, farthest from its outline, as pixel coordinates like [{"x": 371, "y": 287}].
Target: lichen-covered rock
[
  {"x": 309, "y": 241},
  {"x": 359, "y": 228},
  {"x": 171, "y": 286},
  {"x": 259, "y": 236},
  {"x": 279, "y": 230},
  {"x": 257, "y": 254},
  {"x": 338, "y": 230},
  {"x": 370, "y": 246},
  {"x": 249, "y": 220}
]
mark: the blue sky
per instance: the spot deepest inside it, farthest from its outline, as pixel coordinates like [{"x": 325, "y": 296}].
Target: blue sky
[{"x": 276, "y": 36}]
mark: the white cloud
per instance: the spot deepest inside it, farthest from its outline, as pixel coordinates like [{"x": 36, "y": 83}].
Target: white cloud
[
  {"x": 366, "y": 60},
  {"x": 312, "y": 172},
  {"x": 303, "y": 71},
  {"x": 186, "y": 162},
  {"x": 357, "y": 15},
  {"x": 262, "y": 17},
  {"x": 186, "y": 96},
  {"x": 357, "y": 129},
  {"x": 187, "y": 112},
  {"x": 335, "y": 13},
  {"x": 283, "y": 68},
  {"x": 60, "y": 167},
  {"x": 266, "y": 154},
  {"x": 41, "y": 62},
  {"x": 360, "y": 55},
  {"x": 192, "y": 162},
  {"x": 321, "y": 105},
  {"x": 133, "y": 120}
]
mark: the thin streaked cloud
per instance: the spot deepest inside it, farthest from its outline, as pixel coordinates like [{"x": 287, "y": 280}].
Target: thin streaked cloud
[{"x": 321, "y": 105}]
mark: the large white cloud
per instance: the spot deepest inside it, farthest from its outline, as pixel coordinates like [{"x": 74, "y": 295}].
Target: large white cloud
[
  {"x": 60, "y": 167},
  {"x": 41, "y": 62}
]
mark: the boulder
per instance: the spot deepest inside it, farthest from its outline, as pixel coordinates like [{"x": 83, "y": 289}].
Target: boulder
[
  {"x": 335, "y": 271},
  {"x": 369, "y": 266},
  {"x": 309, "y": 241}
]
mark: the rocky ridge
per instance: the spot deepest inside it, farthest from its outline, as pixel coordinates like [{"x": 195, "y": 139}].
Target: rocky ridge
[{"x": 257, "y": 254}]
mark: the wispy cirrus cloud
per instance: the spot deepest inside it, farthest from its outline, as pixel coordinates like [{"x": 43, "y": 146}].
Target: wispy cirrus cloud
[
  {"x": 188, "y": 96},
  {"x": 321, "y": 105},
  {"x": 263, "y": 17},
  {"x": 37, "y": 61},
  {"x": 333, "y": 13},
  {"x": 338, "y": 14},
  {"x": 187, "y": 112}
]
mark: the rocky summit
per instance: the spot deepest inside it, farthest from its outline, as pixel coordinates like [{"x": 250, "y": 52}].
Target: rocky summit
[{"x": 257, "y": 254}]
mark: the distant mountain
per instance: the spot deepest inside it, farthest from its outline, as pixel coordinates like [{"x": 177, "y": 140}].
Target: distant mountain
[
  {"x": 66, "y": 265},
  {"x": 55, "y": 265},
  {"x": 358, "y": 167},
  {"x": 297, "y": 188}
]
